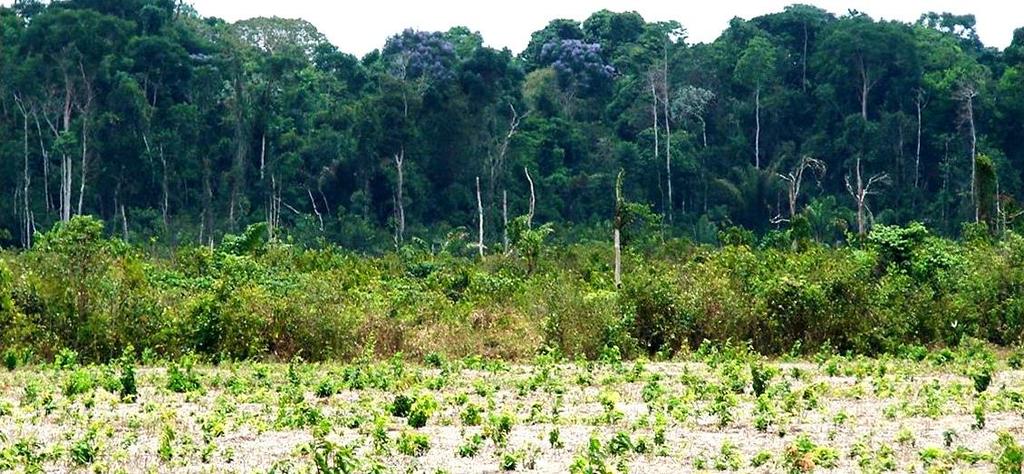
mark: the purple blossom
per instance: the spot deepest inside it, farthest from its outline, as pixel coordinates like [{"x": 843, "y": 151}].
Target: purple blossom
[
  {"x": 421, "y": 54},
  {"x": 577, "y": 63}
]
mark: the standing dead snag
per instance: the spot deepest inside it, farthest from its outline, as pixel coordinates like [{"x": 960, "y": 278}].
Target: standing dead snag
[
  {"x": 920, "y": 101},
  {"x": 26, "y": 239},
  {"x": 653, "y": 77},
  {"x": 966, "y": 94},
  {"x": 533, "y": 200},
  {"x": 795, "y": 178},
  {"x": 504, "y": 219},
  {"x": 480, "y": 219},
  {"x": 668, "y": 135},
  {"x": 400, "y": 198},
  {"x": 617, "y": 228},
  {"x": 861, "y": 192}
]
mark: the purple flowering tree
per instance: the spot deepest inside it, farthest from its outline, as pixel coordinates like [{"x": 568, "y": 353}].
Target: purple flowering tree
[
  {"x": 420, "y": 55},
  {"x": 580, "y": 65}
]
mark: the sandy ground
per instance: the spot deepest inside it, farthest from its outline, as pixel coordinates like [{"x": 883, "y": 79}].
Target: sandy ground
[{"x": 871, "y": 422}]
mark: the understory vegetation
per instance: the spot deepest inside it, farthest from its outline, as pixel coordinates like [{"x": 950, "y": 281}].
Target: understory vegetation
[{"x": 251, "y": 298}]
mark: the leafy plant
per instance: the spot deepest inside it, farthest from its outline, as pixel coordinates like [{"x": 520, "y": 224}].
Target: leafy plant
[
  {"x": 181, "y": 376},
  {"x": 413, "y": 444},
  {"x": 471, "y": 446},
  {"x": 421, "y": 410}
]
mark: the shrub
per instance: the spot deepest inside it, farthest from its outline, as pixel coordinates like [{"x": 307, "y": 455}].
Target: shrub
[
  {"x": 413, "y": 444},
  {"x": 421, "y": 410},
  {"x": 659, "y": 323},
  {"x": 181, "y": 376}
]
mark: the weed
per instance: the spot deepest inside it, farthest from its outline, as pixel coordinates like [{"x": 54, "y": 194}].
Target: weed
[
  {"x": 1009, "y": 454},
  {"x": 413, "y": 444},
  {"x": 181, "y": 376},
  {"x": 421, "y": 410},
  {"x": 471, "y": 447}
]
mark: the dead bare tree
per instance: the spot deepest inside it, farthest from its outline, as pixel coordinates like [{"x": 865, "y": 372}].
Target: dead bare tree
[
  {"x": 965, "y": 94},
  {"x": 668, "y": 133},
  {"x": 860, "y": 193},
  {"x": 85, "y": 110},
  {"x": 794, "y": 179},
  {"x": 400, "y": 197},
  {"x": 497, "y": 169},
  {"x": 618, "y": 223},
  {"x": 480, "y": 220},
  {"x": 504, "y": 219},
  {"x": 867, "y": 82},
  {"x": 26, "y": 177},
  {"x": 653, "y": 79},
  {"x": 316, "y": 210},
  {"x": 533, "y": 200}
]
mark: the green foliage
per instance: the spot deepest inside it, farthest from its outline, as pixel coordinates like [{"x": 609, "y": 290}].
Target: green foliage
[
  {"x": 182, "y": 377},
  {"x": 84, "y": 450},
  {"x": 760, "y": 377},
  {"x": 471, "y": 447},
  {"x": 421, "y": 410},
  {"x": 413, "y": 444},
  {"x": 658, "y": 321},
  {"x": 1009, "y": 454}
]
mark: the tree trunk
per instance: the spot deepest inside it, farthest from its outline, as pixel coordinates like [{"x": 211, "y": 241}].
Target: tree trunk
[
  {"x": 703, "y": 130},
  {"x": 860, "y": 201},
  {"x": 238, "y": 168},
  {"x": 668, "y": 143},
  {"x": 207, "y": 225},
  {"x": 757, "y": 129},
  {"x": 263, "y": 154},
  {"x": 166, "y": 190},
  {"x": 617, "y": 229},
  {"x": 124, "y": 222},
  {"x": 974, "y": 156},
  {"x": 618, "y": 259},
  {"x": 480, "y": 220},
  {"x": 46, "y": 164},
  {"x": 316, "y": 211},
  {"x": 81, "y": 184},
  {"x": 533, "y": 200},
  {"x": 919, "y": 102},
  {"x": 865, "y": 89},
  {"x": 400, "y": 199},
  {"x": 504, "y": 219},
  {"x": 65, "y": 162},
  {"x": 26, "y": 178},
  {"x": 654, "y": 110}
]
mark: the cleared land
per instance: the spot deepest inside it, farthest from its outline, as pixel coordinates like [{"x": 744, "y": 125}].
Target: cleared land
[{"x": 939, "y": 414}]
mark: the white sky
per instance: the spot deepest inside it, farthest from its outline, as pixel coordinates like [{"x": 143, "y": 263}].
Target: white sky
[{"x": 361, "y": 26}]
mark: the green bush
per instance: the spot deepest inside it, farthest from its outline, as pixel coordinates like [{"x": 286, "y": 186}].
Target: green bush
[
  {"x": 659, "y": 323},
  {"x": 250, "y": 298}
]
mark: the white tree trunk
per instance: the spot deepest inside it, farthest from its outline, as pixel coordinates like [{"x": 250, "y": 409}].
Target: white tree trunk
[
  {"x": 81, "y": 184},
  {"x": 668, "y": 142},
  {"x": 316, "y": 211},
  {"x": 974, "y": 157},
  {"x": 618, "y": 258},
  {"x": 480, "y": 220},
  {"x": 399, "y": 162},
  {"x": 757, "y": 129},
  {"x": 26, "y": 178},
  {"x": 533, "y": 200},
  {"x": 504, "y": 219}
]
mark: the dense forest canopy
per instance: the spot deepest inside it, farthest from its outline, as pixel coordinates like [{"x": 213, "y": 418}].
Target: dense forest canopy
[{"x": 174, "y": 128}]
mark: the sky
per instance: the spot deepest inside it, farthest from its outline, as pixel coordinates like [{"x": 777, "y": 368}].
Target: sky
[{"x": 361, "y": 26}]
